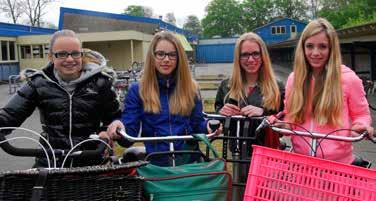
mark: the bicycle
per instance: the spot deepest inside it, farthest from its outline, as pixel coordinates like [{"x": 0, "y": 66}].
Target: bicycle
[
  {"x": 239, "y": 145},
  {"x": 205, "y": 179},
  {"x": 101, "y": 182},
  {"x": 281, "y": 175},
  {"x": 369, "y": 89}
]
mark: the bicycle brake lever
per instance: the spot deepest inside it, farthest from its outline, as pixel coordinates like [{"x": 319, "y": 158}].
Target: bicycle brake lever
[{"x": 264, "y": 123}]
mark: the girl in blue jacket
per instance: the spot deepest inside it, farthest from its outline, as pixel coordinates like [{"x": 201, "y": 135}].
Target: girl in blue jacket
[{"x": 166, "y": 101}]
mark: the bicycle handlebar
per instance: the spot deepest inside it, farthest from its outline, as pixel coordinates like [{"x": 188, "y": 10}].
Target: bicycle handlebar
[
  {"x": 35, "y": 152},
  {"x": 235, "y": 117},
  {"x": 159, "y": 138},
  {"x": 358, "y": 137}
]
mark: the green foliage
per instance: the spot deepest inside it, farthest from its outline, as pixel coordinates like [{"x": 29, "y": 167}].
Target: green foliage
[
  {"x": 134, "y": 11},
  {"x": 344, "y": 13},
  {"x": 223, "y": 18},
  {"x": 256, "y": 13},
  {"x": 229, "y": 17},
  {"x": 193, "y": 25},
  {"x": 139, "y": 11},
  {"x": 294, "y": 9}
]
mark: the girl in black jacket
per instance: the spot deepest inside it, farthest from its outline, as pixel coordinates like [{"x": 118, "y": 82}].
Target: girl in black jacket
[{"x": 72, "y": 93}]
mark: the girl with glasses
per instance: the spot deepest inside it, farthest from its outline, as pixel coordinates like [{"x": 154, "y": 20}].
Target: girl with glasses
[
  {"x": 73, "y": 94},
  {"x": 166, "y": 101},
  {"x": 252, "y": 89}
]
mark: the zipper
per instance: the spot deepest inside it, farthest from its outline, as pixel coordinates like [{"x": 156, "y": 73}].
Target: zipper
[
  {"x": 70, "y": 118},
  {"x": 168, "y": 106},
  {"x": 70, "y": 108}
]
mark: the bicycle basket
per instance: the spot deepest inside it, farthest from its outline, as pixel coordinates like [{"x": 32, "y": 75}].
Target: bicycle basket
[
  {"x": 280, "y": 175},
  {"x": 82, "y": 183}
]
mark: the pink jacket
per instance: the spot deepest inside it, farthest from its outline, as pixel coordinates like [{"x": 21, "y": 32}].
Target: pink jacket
[{"x": 355, "y": 110}]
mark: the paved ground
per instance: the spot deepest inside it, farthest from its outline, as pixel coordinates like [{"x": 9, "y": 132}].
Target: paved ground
[{"x": 7, "y": 162}]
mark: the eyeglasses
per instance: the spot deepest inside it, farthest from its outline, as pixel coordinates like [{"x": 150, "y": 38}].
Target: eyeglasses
[
  {"x": 162, "y": 55},
  {"x": 246, "y": 55},
  {"x": 65, "y": 54}
]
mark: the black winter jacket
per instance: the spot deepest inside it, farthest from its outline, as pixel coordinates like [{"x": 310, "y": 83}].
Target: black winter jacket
[
  {"x": 66, "y": 118},
  {"x": 254, "y": 99}
]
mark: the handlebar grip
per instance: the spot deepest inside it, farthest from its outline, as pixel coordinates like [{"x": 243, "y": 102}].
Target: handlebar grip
[
  {"x": 92, "y": 154},
  {"x": 28, "y": 152},
  {"x": 214, "y": 124}
]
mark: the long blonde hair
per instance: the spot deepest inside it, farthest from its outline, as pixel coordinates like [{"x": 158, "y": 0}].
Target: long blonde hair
[
  {"x": 327, "y": 94},
  {"x": 182, "y": 99},
  {"x": 266, "y": 78}
]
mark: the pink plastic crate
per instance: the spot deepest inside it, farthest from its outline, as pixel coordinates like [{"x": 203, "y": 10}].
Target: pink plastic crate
[{"x": 283, "y": 176}]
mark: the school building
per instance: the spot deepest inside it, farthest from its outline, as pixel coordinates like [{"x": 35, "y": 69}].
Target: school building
[{"x": 122, "y": 39}]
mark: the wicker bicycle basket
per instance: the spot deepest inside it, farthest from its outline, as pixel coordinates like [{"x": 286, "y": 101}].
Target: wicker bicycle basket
[{"x": 84, "y": 183}]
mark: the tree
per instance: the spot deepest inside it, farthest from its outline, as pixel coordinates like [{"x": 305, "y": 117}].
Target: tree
[
  {"x": 256, "y": 13},
  {"x": 12, "y": 9},
  {"x": 140, "y": 11},
  {"x": 223, "y": 18},
  {"x": 343, "y": 13},
  {"x": 294, "y": 9},
  {"x": 170, "y": 18},
  {"x": 35, "y": 10},
  {"x": 193, "y": 25}
]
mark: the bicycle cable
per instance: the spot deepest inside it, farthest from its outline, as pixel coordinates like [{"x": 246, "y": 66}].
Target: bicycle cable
[
  {"x": 37, "y": 134},
  {"x": 79, "y": 144}
]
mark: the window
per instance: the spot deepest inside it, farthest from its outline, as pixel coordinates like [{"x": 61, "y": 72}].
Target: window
[
  {"x": 25, "y": 52},
  {"x": 283, "y": 29},
  {"x": 278, "y": 30},
  {"x": 4, "y": 50},
  {"x": 46, "y": 50},
  {"x": 37, "y": 51},
  {"x": 293, "y": 28},
  {"x": 12, "y": 50}
]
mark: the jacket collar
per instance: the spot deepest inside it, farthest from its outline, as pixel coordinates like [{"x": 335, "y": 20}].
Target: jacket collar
[{"x": 166, "y": 81}]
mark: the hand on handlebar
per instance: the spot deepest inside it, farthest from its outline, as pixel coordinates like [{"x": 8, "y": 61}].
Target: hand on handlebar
[
  {"x": 360, "y": 128},
  {"x": 217, "y": 130},
  {"x": 112, "y": 129},
  {"x": 251, "y": 111},
  {"x": 276, "y": 121},
  {"x": 230, "y": 110}
]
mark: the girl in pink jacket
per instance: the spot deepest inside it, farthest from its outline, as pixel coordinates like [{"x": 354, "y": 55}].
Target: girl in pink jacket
[{"x": 323, "y": 96}]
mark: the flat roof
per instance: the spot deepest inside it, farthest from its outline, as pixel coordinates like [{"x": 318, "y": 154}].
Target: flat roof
[{"x": 14, "y": 30}]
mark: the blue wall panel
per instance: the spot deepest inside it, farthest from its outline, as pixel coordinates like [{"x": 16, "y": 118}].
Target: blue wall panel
[
  {"x": 217, "y": 53},
  {"x": 266, "y": 31},
  {"x": 7, "y": 69}
]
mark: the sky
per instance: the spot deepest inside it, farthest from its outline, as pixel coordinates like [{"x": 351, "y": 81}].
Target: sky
[{"x": 180, "y": 8}]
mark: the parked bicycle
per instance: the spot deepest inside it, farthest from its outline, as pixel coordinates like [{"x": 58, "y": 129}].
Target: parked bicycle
[
  {"x": 108, "y": 182},
  {"x": 281, "y": 175},
  {"x": 125, "y": 78},
  {"x": 370, "y": 89}
]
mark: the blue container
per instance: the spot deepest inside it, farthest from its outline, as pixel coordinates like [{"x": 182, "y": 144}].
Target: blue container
[
  {"x": 7, "y": 69},
  {"x": 215, "y": 53}
]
